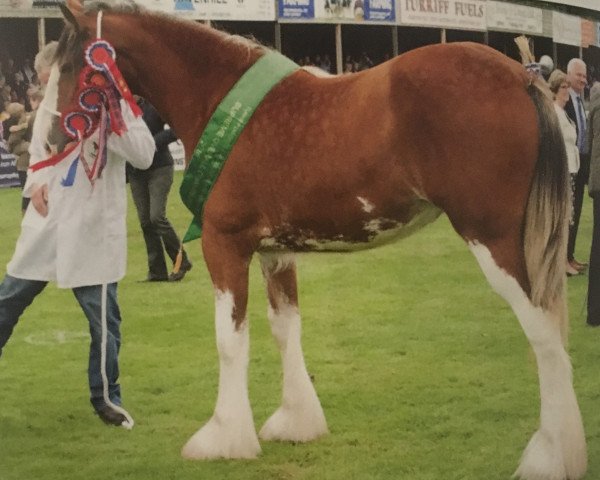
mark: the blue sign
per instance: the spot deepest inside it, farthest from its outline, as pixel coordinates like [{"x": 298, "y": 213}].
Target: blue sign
[
  {"x": 9, "y": 177},
  {"x": 379, "y": 10},
  {"x": 183, "y": 5},
  {"x": 297, "y": 9}
]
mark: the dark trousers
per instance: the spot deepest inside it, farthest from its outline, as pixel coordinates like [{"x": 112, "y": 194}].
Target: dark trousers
[
  {"x": 580, "y": 182},
  {"x": 150, "y": 191},
  {"x": 22, "y": 180},
  {"x": 593, "y": 300}
]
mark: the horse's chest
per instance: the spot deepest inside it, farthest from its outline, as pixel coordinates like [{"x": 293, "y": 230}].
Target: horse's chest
[{"x": 363, "y": 233}]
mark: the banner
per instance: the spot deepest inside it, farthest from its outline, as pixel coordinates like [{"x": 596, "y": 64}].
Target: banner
[
  {"x": 8, "y": 168},
  {"x": 455, "y": 14},
  {"x": 514, "y": 18},
  {"x": 355, "y": 10},
  {"x": 193, "y": 9},
  {"x": 589, "y": 4},
  {"x": 296, "y": 9},
  {"x": 588, "y": 33},
  {"x": 29, "y": 8},
  {"x": 225, "y": 9},
  {"x": 566, "y": 29}
]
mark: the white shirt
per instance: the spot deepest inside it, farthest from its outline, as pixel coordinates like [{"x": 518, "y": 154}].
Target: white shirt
[
  {"x": 569, "y": 134},
  {"x": 83, "y": 239},
  {"x": 580, "y": 115}
]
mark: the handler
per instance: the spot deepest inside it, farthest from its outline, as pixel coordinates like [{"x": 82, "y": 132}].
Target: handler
[{"x": 74, "y": 233}]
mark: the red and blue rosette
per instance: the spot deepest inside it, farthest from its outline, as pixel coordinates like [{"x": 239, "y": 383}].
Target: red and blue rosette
[
  {"x": 100, "y": 56},
  {"x": 91, "y": 99},
  {"x": 78, "y": 124}
]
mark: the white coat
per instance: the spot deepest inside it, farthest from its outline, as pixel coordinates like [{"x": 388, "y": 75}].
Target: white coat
[
  {"x": 570, "y": 138},
  {"x": 83, "y": 239}
]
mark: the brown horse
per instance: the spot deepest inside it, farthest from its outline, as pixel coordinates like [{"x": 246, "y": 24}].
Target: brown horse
[{"x": 349, "y": 162}]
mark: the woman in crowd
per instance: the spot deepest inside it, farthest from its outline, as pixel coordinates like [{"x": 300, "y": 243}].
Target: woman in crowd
[{"x": 559, "y": 86}]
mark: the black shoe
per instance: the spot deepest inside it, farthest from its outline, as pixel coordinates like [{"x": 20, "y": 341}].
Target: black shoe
[
  {"x": 110, "y": 417},
  {"x": 178, "y": 276}
]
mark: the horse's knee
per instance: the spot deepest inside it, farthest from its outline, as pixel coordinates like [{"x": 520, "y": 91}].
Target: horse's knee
[{"x": 284, "y": 322}]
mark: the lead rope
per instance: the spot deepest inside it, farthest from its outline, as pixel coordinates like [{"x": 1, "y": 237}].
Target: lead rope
[
  {"x": 99, "y": 24},
  {"x": 128, "y": 422}
]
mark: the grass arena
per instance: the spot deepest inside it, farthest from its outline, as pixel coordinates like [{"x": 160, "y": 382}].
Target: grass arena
[{"x": 423, "y": 372}]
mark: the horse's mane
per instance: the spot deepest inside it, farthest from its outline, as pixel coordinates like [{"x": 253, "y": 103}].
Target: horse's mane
[{"x": 70, "y": 43}]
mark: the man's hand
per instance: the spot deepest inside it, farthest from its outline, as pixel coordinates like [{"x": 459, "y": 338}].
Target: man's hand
[{"x": 39, "y": 198}]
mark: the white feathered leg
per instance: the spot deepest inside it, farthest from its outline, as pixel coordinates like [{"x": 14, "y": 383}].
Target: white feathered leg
[
  {"x": 557, "y": 451},
  {"x": 230, "y": 433},
  {"x": 300, "y": 417}
]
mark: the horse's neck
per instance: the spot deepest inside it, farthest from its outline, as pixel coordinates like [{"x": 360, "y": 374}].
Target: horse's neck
[{"x": 184, "y": 70}]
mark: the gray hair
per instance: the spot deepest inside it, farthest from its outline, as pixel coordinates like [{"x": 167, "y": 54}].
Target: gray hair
[
  {"x": 573, "y": 62},
  {"x": 45, "y": 58}
]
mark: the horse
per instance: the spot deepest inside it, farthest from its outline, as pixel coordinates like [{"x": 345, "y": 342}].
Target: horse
[{"x": 457, "y": 128}]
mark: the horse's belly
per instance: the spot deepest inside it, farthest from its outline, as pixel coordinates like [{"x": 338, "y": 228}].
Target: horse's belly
[{"x": 371, "y": 233}]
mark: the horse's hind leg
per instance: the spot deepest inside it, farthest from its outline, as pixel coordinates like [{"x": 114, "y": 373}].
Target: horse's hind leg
[
  {"x": 230, "y": 433},
  {"x": 557, "y": 450},
  {"x": 300, "y": 417}
]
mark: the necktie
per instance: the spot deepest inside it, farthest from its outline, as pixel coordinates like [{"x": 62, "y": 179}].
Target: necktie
[{"x": 581, "y": 125}]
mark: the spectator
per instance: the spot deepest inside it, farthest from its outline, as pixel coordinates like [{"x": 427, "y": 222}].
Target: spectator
[
  {"x": 325, "y": 64},
  {"x": 43, "y": 62},
  {"x": 593, "y": 297},
  {"x": 364, "y": 62},
  {"x": 150, "y": 190},
  {"x": 546, "y": 66},
  {"x": 559, "y": 86},
  {"x": 577, "y": 78},
  {"x": 35, "y": 99},
  {"x": 18, "y": 143}
]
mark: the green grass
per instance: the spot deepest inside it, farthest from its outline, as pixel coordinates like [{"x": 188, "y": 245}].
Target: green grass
[{"x": 423, "y": 372}]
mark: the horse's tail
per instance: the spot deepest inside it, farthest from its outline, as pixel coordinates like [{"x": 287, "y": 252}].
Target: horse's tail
[{"x": 547, "y": 213}]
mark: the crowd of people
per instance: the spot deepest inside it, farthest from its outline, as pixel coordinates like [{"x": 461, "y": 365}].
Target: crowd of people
[
  {"x": 21, "y": 93},
  {"x": 576, "y": 94},
  {"x": 351, "y": 63}
]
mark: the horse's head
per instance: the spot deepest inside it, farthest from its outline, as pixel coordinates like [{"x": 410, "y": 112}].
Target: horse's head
[{"x": 81, "y": 25}]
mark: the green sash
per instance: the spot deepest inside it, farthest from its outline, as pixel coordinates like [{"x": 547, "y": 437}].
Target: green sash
[{"x": 223, "y": 130}]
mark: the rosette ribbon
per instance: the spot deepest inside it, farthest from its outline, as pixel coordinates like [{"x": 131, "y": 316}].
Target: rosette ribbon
[{"x": 98, "y": 108}]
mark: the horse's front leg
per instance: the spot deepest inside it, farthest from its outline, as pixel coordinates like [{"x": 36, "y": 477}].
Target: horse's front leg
[
  {"x": 300, "y": 417},
  {"x": 230, "y": 433}
]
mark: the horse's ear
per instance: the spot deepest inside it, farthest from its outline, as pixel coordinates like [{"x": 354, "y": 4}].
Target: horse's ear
[
  {"x": 69, "y": 17},
  {"x": 75, "y": 6}
]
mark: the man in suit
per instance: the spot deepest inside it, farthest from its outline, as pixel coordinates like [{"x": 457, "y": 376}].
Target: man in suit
[
  {"x": 150, "y": 190},
  {"x": 577, "y": 77}
]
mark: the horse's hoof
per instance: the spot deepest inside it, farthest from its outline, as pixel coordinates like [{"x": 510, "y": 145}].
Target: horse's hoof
[
  {"x": 543, "y": 459},
  {"x": 288, "y": 426},
  {"x": 217, "y": 440}
]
